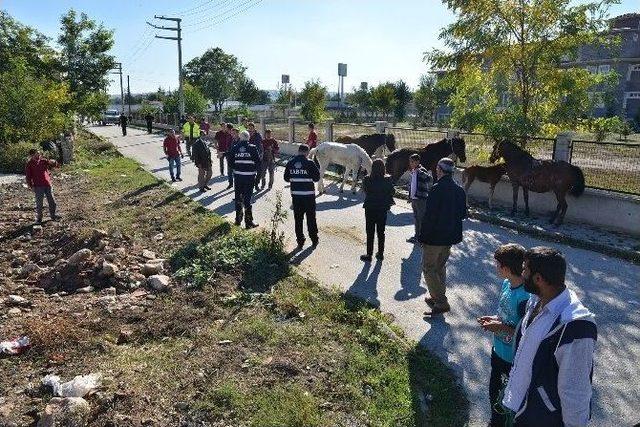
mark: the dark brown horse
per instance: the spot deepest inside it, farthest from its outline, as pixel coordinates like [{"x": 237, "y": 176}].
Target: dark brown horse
[
  {"x": 371, "y": 143},
  {"x": 398, "y": 162},
  {"x": 489, "y": 174},
  {"x": 539, "y": 176}
]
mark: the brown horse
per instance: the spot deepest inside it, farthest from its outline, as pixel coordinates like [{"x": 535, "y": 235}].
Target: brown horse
[
  {"x": 398, "y": 162},
  {"x": 371, "y": 143},
  {"x": 539, "y": 176},
  {"x": 488, "y": 174}
]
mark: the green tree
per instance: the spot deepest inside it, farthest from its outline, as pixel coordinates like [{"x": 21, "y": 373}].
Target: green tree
[
  {"x": 217, "y": 75},
  {"x": 403, "y": 97},
  {"x": 85, "y": 61},
  {"x": 361, "y": 99},
  {"x": 148, "y": 108},
  {"x": 313, "y": 98},
  {"x": 516, "y": 47},
  {"x": 383, "y": 99},
  {"x": 427, "y": 98},
  {"x": 194, "y": 101},
  {"x": 249, "y": 94}
]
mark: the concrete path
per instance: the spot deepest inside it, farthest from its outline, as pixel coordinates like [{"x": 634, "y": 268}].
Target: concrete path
[{"x": 608, "y": 286}]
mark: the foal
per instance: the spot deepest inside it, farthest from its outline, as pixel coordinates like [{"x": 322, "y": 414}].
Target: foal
[{"x": 488, "y": 174}]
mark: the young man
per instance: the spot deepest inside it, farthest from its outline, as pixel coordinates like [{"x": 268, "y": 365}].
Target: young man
[
  {"x": 173, "y": 151},
  {"x": 302, "y": 173},
  {"x": 441, "y": 228},
  {"x": 270, "y": 150},
  {"x": 202, "y": 159},
  {"x": 223, "y": 143},
  {"x": 256, "y": 139},
  {"x": 512, "y": 305},
  {"x": 312, "y": 138},
  {"x": 39, "y": 180},
  {"x": 123, "y": 124},
  {"x": 190, "y": 132},
  {"x": 550, "y": 381},
  {"x": 149, "y": 119},
  {"x": 245, "y": 160},
  {"x": 418, "y": 188}
]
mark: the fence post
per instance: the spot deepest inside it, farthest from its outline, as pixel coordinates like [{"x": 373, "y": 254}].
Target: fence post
[
  {"x": 453, "y": 133},
  {"x": 328, "y": 130},
  {"x": 292, "y": 129},
  {"x": 381, "y": 126},
  {"x": 562, "y": 147},
  {"x": 263, "y": 125}
]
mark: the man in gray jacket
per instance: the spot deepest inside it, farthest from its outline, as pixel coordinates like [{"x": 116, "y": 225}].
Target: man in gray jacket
[
  {"x": 419, "y": 186},
  {"x": 550, "y": 381}
]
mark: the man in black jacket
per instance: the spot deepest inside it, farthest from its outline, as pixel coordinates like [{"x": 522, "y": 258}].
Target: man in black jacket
[
  {"x": 201, "y": 156},
  {"x": 149, "y": 119},
  {"x": 445, "y": 209},
  {"x": 244, "y": 161},
  {"x": 302, "y": 173}
]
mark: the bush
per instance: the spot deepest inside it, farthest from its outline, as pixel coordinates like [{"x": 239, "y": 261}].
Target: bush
[{"x": 13, "y": 157}]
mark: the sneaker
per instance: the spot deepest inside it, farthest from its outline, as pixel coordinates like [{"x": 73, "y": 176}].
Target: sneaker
[
  {"x": 229, "y": 186},
  {"x": 437, "y": 310},
  {"x": 173, "y": 180},
  {"x": 315, "y": 242},
  {"x": 207, "y": 187},
  {"x": 379, "y": 256},
  {"x": 203, "y": 190},
  {"x": 365, "y": 258},
  {"x": 412, "y": 240},
  {"x": 55, "y": 218},
  {"x": 251, "y": 225},
  {"x": 178, "y": 179}
]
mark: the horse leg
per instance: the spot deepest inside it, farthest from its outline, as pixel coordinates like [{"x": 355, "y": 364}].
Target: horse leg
[
  {"x": 557, "y": 211},
  {"x": 467, "y": 184},
  {"x": 344, "y": 179},
  {"x": 355, "y": 180},
  {"x": 321, "y": 181},
  {"x": 514, "y": 207},
  {"x": 562, "y": 202},
  {"x": 525, "y": 194}
]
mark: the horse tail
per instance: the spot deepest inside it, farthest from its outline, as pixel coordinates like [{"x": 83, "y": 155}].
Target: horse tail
[
  {"x": 312, "y": 153},
  {"x": 578, "y": 185}
]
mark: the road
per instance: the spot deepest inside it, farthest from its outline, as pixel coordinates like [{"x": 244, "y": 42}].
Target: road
[{"x": 608, "y": 286}]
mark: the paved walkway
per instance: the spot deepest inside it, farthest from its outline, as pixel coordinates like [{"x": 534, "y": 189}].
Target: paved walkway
[{"x": 608, "y": 286}]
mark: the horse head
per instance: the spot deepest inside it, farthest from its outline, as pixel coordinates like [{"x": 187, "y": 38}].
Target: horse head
[
  {"x": 458, "y": 147},
  {"x": 390, "y": 141},
  {"x": 496, "y": 152}
]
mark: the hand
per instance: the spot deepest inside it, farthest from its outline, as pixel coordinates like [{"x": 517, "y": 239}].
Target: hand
[{"x": 493, "y": 325}]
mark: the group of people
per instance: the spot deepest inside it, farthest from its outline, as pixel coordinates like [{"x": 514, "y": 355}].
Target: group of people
[{"x": 543, "y": 336}]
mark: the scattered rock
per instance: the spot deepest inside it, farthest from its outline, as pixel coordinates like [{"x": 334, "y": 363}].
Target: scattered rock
[
  {"x": 67, "y": 411},
  {"x": 158, "y": 236},
  {"x": 148, "y": 254},
  {"x": 18, "y": 301},
  {"x": 120, "y": 251},
  {"x": 108, "y": 269},
  {"x": 36, "y": 229},
  {"x": 15, "y": 311},
  {"x": 29, "y": 268},
  {"x": 151, "y": 268},
  {"x": 80, "y": 256},
  {"x": 159, "y": 282},
  {"x": 85, "y": 290},
  {"x": 124, "y": 337},
  {"x": 109, "y": 291},
  {"x": 99, "y": 234}
]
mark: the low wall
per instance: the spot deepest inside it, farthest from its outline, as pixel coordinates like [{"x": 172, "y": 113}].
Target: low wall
[{"x": 599, "y": 208}]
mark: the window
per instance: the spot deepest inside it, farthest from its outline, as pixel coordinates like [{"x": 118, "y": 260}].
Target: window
[
  {"x": 593, "y": 69},
  {"x": 604, "y": 68},
  {"x": 635, "y": 68},
  {"x": 629, "y": 95}
]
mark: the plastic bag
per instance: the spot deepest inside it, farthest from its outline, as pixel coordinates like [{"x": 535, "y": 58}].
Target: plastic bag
[
  {"x": 80, "y": 386},
  {"x": 16, "y": 346}
]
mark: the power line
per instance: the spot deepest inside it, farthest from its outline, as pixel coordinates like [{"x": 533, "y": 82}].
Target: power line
[
  {"x": 206, "y": 9},
  {"x": 218, "y": 13},
  {"x": 226, "y": 18},
  {"x": 183, "y": 12}
]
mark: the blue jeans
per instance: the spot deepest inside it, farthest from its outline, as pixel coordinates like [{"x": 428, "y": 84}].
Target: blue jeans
[{"x": 174, "y": 161}]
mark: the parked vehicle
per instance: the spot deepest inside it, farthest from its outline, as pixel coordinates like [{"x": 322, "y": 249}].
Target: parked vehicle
[{"x": 110, "y": 116}]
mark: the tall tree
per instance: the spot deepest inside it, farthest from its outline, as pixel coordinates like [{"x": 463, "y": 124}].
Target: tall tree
[
  {"x": 361, "y": 99},
  {"x": 383, "y": 99},
  {"x": 403, "y": 97},
  {"x": 516, "y": 46},
  {"x": 426, "y": 99},
  {"x": 85, "y": 61},
  {"x": 216, "y": 74},
  {"x": 313, "y": 98},
  {"x": 249, "y": 94},
  {"x": 194, "y": 101}
]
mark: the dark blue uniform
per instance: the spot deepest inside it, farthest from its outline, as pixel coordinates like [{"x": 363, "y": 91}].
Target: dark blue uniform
[
  {"x": 244, "y": 161},
  {"x": 302, "y": 173}
]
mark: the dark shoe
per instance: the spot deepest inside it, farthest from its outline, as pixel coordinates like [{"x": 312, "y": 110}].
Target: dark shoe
[
  {"x": 207, "y": 187},
  {"x": 229, "y": 186},
  {"x": 203, "y": 190},
  {"x": 437, "y": 310},
  {"x": 315, "y": 242},
  {"x": 379, "y": 256},
  {"x": 251, "y": 225},
  {"x": 412, "y": 240},
  {"x": 173, "y": 180},
  {"x": 365, "y": 258},
  {"x": 300, "y": 244},
  {"x": 178, "y": 179},
  {"x": 56, "y": 218}
]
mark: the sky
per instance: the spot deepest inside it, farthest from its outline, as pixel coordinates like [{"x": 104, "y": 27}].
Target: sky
[{"x": 379, "y": 40}]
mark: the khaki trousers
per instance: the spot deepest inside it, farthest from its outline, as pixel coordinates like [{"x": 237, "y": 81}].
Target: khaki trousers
[
  {"x": 434, "y": 260},
  {"x": 204, "y": 175}
]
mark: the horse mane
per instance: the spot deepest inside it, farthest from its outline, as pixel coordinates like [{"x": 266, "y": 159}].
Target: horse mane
[
  {"x": 520, "y": 152},
  {"x": 364, "y": 157},
  {"x": 443, "y": 140}
]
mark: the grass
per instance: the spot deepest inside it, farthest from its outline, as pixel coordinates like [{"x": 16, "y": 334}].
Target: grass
[{"x": 242, "y": 339}]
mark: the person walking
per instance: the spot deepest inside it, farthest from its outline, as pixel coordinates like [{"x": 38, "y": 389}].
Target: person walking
[
  {"x": 550, "y": 381},
  {"x": 123, "y": 124},
  {"x": 173, "y": 151},
  {"x": 378, "y": 199},
  {"x": 256, "y": 139},
  {"x": 244, "y": 160},
  {"x": 202, "y": 159},
  {"x": 149, "y": 119},
  {"x": 190, "y": 132},
  {"x": 418, "y": 188},
  {"x": 204, "y": 125},
  {"x": 270, "y": 150},
  {"x": 312, "y": 137},
  {"x": 235, "y": 139},
  {"x": 39, "y": 181},
  {"x": 302, "y": 173},
  {"x": 223, "y": 144},
  {"x": 445, "y": 209}
]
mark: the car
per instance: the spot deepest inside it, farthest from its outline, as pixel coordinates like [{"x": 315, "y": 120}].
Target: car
[{"x": 110, "y": 116}]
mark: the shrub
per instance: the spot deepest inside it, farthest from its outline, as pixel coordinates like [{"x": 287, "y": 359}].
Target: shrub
[{"x": 13, "y": 157}]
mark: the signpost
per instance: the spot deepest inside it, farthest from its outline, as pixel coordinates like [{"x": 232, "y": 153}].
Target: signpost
[{"x": 342, "y": 73}]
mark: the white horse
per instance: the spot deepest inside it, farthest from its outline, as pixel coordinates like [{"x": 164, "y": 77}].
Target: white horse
[{"x": 351, "y": 156}]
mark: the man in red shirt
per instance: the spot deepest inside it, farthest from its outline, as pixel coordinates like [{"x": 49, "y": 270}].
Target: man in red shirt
[
  {"x": 172, "y": 149},
  {"x": 223, "y": 144},
  {"x": 270, "y": 149},
  {"x": 39, "y": 180},
  {"x": 312, "y": 139}
]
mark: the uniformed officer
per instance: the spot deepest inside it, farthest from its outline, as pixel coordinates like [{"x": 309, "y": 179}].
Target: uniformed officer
[
  {"x": 244, "y": 163},
  {"x": 302, "y": 173}
]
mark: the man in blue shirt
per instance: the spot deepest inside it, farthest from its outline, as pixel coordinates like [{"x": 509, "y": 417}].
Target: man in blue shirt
[{"x": 512, "y": 305}]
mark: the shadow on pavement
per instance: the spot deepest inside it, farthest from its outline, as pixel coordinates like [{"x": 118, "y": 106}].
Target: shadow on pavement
[
  {"x": 410, "y": 276},
  {"x": 365, "y": 285}
]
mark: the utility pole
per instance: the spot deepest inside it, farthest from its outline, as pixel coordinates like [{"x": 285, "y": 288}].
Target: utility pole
[
  {"x": 178, "y": 38},
  {"x": 118, "y": 68},
  {"x": 129, "y": 95}
]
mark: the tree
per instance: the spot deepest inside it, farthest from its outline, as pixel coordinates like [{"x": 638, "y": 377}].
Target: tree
[
  {"x": 383, "y": 98},
  {"x": 426, "y": 100},
  {"x": 216, "y": 74},
  {"x": 84, "y": 61},
  {"x": 249, "y": 94},
  {"x": 516, "y": 47},
  {"x": 361, "y": 99},
  {"x": 313, "y": 98},
  {"x": 403, "y": 97},
  {"x": 194, "y": 101},
  {"x": 148, "y": 108}
]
